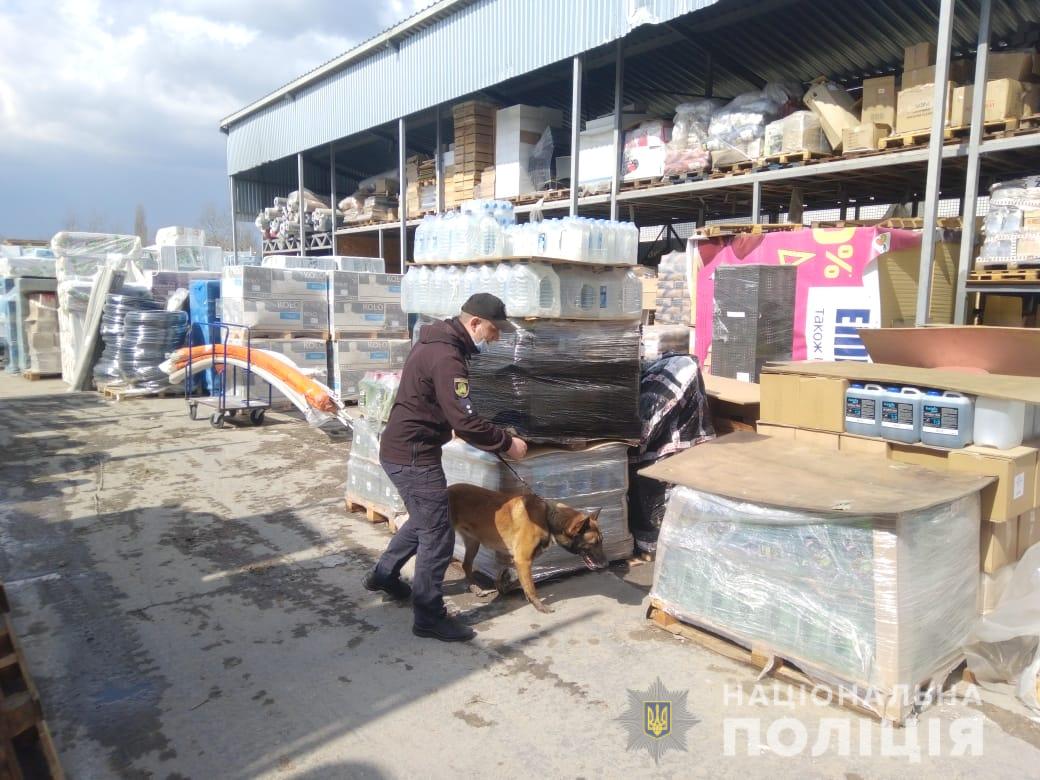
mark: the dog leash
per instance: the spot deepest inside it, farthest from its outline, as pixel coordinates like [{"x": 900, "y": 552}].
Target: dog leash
[{"x": 515, "y": 474}]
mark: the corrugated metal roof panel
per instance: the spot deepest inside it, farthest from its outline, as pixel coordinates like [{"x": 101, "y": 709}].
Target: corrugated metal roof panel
[{"x": 474, "y": 47}]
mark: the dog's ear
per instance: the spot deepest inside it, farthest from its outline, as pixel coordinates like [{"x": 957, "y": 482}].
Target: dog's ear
[
  {"x": 577, "y": 524},
  {"x": 594, "y": 517}
]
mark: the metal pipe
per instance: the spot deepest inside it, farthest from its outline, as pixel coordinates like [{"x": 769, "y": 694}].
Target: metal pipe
[
  {"x": 234, "y": 222},
  {"x": 301, "y": 203},
  {"x": 381, "y": 255},
  {"x": 402, "y": 200},
  {"x": 756, "y": 201},
  {"x": 935, "y": 145},
  {"x": 619, "y": 139},
  {"x": 575, "y": 131},
  {"x": 439, "y": 164},
  {"x": 971, "y": 183},
  {"x": 332, "y": 195}
]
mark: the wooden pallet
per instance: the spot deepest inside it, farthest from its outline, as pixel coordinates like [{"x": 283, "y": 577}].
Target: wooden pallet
[
  {"x": 117, "y": 391},
  {"x": 768, "y": 663},
  {"x": 373, "y": 512},
  {"x": 36, "y": 376},
  {"x": 1028, "y": 272},
  {"x": 546, "y": 195},
  {"x": 901, "y": 223},
  {"x": 994, "y": 126},
  {"x": 919, "y": 138},
  {"x": 729, "y": 229},
  {"x": 795, "y": 158},
  {"x": 26, "y": 747},
  {"x": 732, "y": 169},
  {"x": 644, "y": 184},
  {"x": 237, "y": 336}
]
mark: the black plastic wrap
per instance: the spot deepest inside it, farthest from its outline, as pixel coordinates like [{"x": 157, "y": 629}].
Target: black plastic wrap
[
  {"x": 673, "y": 407},
  {"x": 561, "y": 379}
]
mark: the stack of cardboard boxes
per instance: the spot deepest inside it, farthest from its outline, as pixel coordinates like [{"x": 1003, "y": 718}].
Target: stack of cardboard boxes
[
  {"x": 805, "y": 402},
  {"x": 42, "y": 334},
  {"x": 474, "y": 146},
  {"x": 901, "y": 106}
]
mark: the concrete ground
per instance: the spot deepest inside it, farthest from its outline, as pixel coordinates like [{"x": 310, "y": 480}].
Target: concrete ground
[{"x": 189, "y": 600}]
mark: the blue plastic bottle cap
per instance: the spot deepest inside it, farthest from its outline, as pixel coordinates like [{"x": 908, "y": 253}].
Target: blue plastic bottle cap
[
  {"x": 933, "y": 392},
  {"x": 856, "y": 386},
  {"x": 893, "y": 389}
]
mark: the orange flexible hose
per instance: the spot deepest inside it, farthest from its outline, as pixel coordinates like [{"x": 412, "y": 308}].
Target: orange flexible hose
[{"x": 316, "y": 395}]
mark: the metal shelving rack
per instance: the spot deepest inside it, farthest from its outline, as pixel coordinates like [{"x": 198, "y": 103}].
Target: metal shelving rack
[{"x": 884, "y": 177}]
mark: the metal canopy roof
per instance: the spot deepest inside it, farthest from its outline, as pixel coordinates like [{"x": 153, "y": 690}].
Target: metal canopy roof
[{"x": 452, "y": 49}]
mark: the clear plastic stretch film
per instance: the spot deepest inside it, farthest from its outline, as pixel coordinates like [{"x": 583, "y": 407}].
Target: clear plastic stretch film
[
  {"x": 1012, "y": 224},
  {"x": 559, "y": 379},
  {"x": 589, "y": 479},
  {"x": 81, "y": 255},
  {"x": 878, "y": 604},
  {"x": 116, "y": 308},
  {"x": 148, "y": 337},
  {"x": 366, "y": 479},
  {"x": 1005, "y": 644}
]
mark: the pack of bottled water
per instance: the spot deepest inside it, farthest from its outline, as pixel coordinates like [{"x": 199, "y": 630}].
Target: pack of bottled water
[
  {"x": 589, "y": 479},
  {"x": 366, "y": 480},
  {"x": 487, "y": 229},
  {"x": 527, "y": 289}
]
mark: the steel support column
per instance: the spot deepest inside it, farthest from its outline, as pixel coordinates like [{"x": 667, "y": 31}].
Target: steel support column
[
  {"x": 934, "y": 175},
  {"x": 619, "y": 130},
  {"x": 971, "y": 184},
  {"x": 575, "y": 132},
  {"x": 756, "y": 201},
  {"x": 332, "y": 195},
  {"x": 438, "y": 163},
  {"x": 402, "y": 198},
  {"x": 301, "y": 203},
  {"x": 234, "y": 222}
]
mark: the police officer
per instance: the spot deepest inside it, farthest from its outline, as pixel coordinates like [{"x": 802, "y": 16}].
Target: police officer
[{"x": 432, "y": 401}]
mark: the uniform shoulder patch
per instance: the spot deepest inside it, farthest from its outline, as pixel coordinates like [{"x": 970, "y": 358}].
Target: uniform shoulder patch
[{"x": 461, "y": 387}]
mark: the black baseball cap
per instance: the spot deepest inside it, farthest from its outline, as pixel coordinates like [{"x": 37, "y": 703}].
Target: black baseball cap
[{"x": 491, "y": 308}]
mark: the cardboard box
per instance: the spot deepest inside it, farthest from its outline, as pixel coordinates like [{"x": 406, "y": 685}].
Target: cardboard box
[
  {"x": 368, "y": 319},
  {"x": 919, "y": 455},
  {"x": 864, "y": 137},
  {"x": 961, "y": 72},
  {"x": 998, "y": 545},
  {"x": 1014, "y": 492},
  {"x": 992, "y": 587},
  {"x": 1028, "y": 530},
  {"x": 283, "y": 315},
  {"x": 365, "y": 287},
  {"x": 1005, "y": 99},
  {"x": 1017, "y": 65},
  {"x": 898, "y": 274},
  {"x": 863, "y": 445},
  {"x": 879, "y": 102},
  {"x": 914, "y": 108},
  {"x": 817, "y": 403},
  {"x": 353, "y": 358},
  {"x": 254, "y": 281},
  {"x": 827, "y": 441},
  {"x": 920, "y": 55},
  {"x": 834, "y": 106},
  {"x": 1031, "y": 99}
]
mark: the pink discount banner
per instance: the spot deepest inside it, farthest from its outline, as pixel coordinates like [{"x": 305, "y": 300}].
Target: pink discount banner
[{"x": 836, "y": 288}]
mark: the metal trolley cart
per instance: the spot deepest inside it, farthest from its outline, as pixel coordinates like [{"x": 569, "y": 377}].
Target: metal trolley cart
[{"x": 225, "y": 406}]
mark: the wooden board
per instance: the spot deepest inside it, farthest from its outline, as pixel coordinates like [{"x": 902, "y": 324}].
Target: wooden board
[
  {"x": 117, "y": 391},
  {"x": 795, "y": 157},
  {"x": 732, "y": 391},
  {"x": 35, "y": 376},
  {"x": 917, "y": 138},
  {"x": 765, "y": 470},
  {"x": 1013, "y": 388},
  {"x": 26, "y": 747},
  {"x": 1010, "y": 266}
]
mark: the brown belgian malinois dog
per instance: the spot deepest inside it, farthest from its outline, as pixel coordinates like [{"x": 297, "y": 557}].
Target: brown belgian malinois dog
[{"x": 522, "y": 526}]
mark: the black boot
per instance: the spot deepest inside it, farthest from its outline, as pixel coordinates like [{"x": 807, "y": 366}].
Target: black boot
[
  {"x": 396, "y": 588},
  {"x": 444, "y": 628}
]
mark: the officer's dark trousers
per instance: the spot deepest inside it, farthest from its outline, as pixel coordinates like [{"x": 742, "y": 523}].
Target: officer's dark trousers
[{"x": 427, "y": 535}]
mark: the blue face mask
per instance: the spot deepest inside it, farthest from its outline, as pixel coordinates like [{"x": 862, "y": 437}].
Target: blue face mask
[{"x": 481, "y": 345}]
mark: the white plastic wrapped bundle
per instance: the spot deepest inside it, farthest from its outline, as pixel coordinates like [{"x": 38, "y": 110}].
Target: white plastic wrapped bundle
[
  {"x": 594, "y": 478},
  {"x": 875, "y": 605},
  {"x": 180, "y": 236},
  {"x": 27, "y": 265},
  {"x": 674, "y": 304},
  {"x": 795, "y": 133},
  {"x": 687, "y": 151},
  {"x": 366, "y": 479},
  {"x": 1012, "y": 225}
]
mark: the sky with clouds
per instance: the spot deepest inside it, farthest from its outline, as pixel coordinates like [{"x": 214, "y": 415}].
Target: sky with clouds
[{"x": 107, "y": 104}]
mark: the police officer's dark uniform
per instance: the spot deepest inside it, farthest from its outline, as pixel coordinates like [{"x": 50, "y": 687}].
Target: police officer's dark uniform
[{"x": 432, "y": 400}]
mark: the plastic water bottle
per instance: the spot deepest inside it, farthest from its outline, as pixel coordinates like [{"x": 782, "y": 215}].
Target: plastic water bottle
[
  {"x": 863, "y": 409},
  {"x": 423, "y": 283},
  {"x": 631, "y": 295},
  {"x": 579, "y": 293},
  {"x": 453, "y": 299},
  {"x": 438, "y": 292},
  {"x": 500, "y": 281},
  {"x": 490, "y": 237},
  {"x": 947, "y": 419},
  {"x": 901, "y": 414},
  {"x": 422, "y": 238},
  {"x": 470, "y": 282},
  {"x": 999, "y": 423},
  {"x": 409, "y": 290},
  {"x": 486, "y": 279},
  {"x": 534, "y": 291}
]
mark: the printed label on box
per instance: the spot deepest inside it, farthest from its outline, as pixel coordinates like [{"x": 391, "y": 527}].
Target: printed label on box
[
  {"x": 895, "y": 414},
  {"x": 1020, "y": 486}
]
